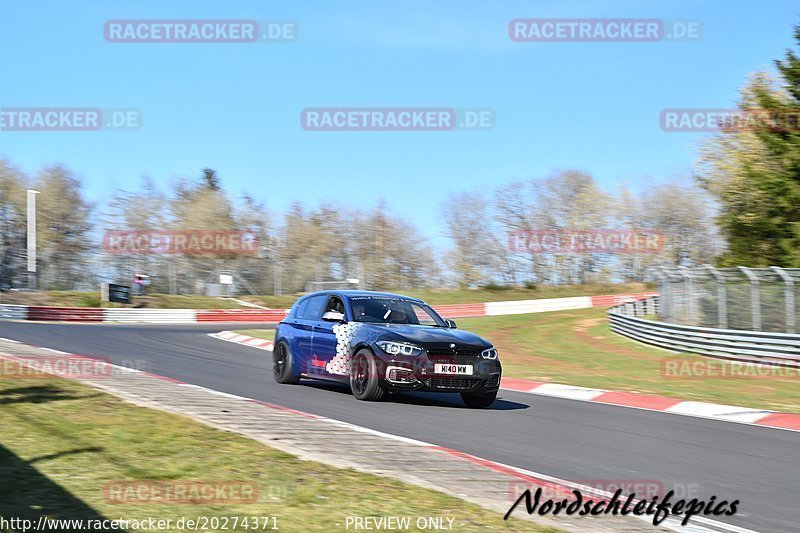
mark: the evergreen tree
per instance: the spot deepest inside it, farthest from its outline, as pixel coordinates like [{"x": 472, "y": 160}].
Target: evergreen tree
[{"x": 755, "y": 172}]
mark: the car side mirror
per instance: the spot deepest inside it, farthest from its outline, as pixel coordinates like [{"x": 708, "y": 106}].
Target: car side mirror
[
  {"x": 333, "y": 316},
  {"x": 450, "y": 323}
]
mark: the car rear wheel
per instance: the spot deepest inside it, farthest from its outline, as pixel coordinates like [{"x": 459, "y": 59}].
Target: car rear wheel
[
  {"x": 364, "y": 377},
  {"x": 478, "y": 400},
  {"x": 282, "y": 367}
]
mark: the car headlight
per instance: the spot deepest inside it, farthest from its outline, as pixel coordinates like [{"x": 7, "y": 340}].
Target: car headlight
[
  {"x": 399, "y": 348},
  {"x": 489, "y": 353}
]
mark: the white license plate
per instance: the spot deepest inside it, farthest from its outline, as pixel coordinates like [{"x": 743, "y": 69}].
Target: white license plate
[{"x": 464, "y": 370}]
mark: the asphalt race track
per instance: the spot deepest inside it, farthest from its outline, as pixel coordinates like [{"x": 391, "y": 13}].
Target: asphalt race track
[{"x": 564, "y": 438}]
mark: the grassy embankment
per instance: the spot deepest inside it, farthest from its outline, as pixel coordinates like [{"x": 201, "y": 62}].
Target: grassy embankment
[
  {"x": 62, "y": 442},
  {"x": 578, "y": 348}
]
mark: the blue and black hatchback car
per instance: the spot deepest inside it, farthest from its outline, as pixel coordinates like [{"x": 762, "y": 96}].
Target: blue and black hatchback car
[{"x": 378, "y": 343}]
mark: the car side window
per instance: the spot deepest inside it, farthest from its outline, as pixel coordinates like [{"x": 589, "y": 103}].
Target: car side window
[
  {"x": 335, "y": 304},
  {"x": 299, "y": 311},
  {"x": 314, "y": 309}
]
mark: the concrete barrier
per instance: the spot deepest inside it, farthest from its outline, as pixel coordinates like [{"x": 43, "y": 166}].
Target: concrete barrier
[
  {"x": 151, "y": 316},
  {"x": 17, "y": 312},
  {"x": 537, "y": 306}
]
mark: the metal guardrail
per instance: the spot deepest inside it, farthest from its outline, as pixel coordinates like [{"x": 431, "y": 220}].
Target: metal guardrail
[{"x": 756, "y": 346}]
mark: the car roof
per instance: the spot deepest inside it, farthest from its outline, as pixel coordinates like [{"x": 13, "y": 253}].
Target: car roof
[{"x": 355, "y": 293}]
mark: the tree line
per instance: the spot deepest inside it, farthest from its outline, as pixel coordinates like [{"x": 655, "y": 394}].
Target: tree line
[
  {"x": 677, "y": 209},
  {"x": 332, "y": 242},
  {"x": 304, "y": 244}
]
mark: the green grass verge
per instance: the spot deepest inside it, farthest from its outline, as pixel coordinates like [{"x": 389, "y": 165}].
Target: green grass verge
[
  {"x": 268, "y": 334},
  {"x": 578, "y": 348},
  {"x": 62, "y": 442}
]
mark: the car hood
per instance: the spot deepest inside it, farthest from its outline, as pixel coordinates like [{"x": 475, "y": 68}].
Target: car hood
[{"x": 427, "y": 336}]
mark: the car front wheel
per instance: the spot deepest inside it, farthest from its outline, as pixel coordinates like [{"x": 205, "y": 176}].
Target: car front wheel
[
  {"x": 282, "y": 368},
  {"x": 364, "y": 377},
  {"x": 478, "y": 400}
]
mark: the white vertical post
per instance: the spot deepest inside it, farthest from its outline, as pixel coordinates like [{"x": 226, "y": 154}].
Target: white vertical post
[
  {"x": 722, "y": 297},
  {"x": 32, "y": 238},
  {"x": 755, "y": 297},
  {"x": 173, "y": 282},
  {"x": 688, "y": 288},
  {"x": 788, "y": 295},
  {"x": 664, "y": 298}
]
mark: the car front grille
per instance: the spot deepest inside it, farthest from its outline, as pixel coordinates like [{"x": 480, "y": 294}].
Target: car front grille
[
  {"x": 452, "y": 383},
  {"x": 453, "y": 357}
]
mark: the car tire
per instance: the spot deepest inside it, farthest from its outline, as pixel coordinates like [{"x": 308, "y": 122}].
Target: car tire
[
  {"x": 479, "y": 400},
  {"x": 364, "y": 381},
  {"x": 282, "y": 368}
]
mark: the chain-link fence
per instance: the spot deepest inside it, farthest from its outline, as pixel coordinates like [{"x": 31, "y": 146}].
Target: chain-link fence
[{"x": 757, "y": 299}]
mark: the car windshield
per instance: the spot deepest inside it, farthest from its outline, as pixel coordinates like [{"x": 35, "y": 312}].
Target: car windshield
[{"x": 394, "y": 311}]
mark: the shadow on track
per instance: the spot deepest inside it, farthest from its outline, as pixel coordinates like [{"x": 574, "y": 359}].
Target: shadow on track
[{"x": 432, "y": 399}]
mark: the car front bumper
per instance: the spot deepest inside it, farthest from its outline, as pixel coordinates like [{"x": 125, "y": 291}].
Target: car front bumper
[{"x": 420, "y": 374}]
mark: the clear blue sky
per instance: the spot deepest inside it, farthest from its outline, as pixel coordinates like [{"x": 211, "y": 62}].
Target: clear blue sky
[{"x": 236, "y": 107}]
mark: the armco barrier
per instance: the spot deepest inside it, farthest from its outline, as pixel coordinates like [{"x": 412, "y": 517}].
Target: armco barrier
[
  {"x": 780, "y": 348},
  {"x": 241, "y": 315},
  {"x": 66, "y": 314},
  {"x": 17, "y": 312},
  {"x": 151, "y": 316}
]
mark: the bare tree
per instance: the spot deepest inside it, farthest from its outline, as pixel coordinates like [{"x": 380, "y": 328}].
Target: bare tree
[
  {"x": 476, "y": 253},
  {"x": 12, "y": 224},
  {"x": 63, "y": 226}
]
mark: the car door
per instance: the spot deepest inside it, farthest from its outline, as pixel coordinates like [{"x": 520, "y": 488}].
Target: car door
[
  {"x": 307, "y": 317},
  {"x": 293, "y": 331},
  {"x": 325, "y": 360}
]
